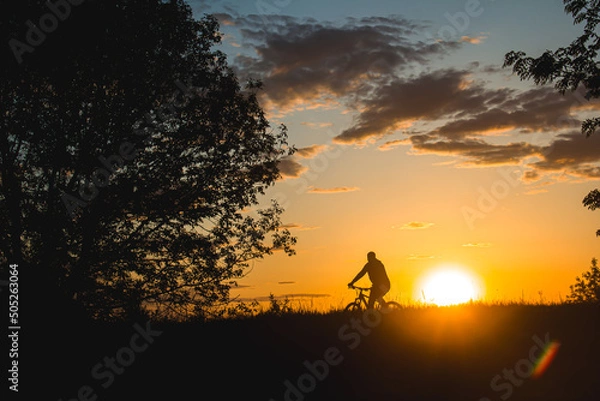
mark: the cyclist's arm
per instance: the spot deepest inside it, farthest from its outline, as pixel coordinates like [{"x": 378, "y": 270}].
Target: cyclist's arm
[{"x": 358, "y": 276}]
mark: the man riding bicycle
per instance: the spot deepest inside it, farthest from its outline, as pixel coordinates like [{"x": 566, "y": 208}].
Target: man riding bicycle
[{"x": 377, "y": 275}]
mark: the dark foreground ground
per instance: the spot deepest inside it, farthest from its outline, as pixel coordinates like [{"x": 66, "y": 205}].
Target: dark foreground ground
[{"x": 458, "y": 353}]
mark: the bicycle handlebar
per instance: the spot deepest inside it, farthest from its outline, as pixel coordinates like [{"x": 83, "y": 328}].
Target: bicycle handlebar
[{"x": 360, "y": 288}]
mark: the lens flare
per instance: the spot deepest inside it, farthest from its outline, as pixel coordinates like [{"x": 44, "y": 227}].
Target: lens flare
[{"x": 545, "y": 359}]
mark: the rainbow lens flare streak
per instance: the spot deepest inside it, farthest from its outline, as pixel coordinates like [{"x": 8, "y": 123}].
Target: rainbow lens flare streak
[{"x": 545, "y": 359}]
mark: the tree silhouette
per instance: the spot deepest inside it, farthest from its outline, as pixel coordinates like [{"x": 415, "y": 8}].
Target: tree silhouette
[
  {"x": 569, "y": 67},
  {"x": 592, "y": 202},
  {"x": 132, "y": 160},
  {"x": 586, "y": 287}
]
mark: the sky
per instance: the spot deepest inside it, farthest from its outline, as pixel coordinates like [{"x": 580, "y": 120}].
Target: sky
[{"x": 415, "y": 143}]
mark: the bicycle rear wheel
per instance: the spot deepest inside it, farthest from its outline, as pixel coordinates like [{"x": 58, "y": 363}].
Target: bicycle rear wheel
[{"x": 392, "y": 305}]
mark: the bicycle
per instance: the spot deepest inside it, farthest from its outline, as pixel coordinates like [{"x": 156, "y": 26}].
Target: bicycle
[{"x": 362, "y": 301}]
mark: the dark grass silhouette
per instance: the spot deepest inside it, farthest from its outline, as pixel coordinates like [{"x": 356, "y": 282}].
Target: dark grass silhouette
[{"x": 411, "y": 354}]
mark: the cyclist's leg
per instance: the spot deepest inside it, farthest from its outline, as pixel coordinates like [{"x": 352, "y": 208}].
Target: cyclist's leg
[
  {"x": 375, "y": 295},
  {"x": 382, "y": 290}
]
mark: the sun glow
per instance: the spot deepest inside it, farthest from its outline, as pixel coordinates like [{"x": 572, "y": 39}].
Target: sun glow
[{"x": 448, "y": 286}]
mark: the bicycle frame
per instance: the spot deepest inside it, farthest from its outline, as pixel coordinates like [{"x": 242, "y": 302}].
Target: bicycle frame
[
  {"x": 362, "y": 300},
  {"x": 362, "y": 297}
]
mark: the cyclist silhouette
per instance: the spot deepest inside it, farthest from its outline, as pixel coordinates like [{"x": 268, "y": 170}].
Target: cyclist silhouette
[{"x": 378, "y": 277}]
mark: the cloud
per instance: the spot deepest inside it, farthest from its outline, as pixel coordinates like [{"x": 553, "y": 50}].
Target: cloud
[
  {"x": 419, "y": 257},
  {"x": 284, "y": 296},
  {"x": 474, "y": 40},
  {"x": 471, "y": 108},
  {"x": 426, "y": 97},
  {"x": 567, "y": 156},
  {"x": 286, "y": 282},
  {"x": 586, "y": 172},
  {"x": 237, "y": 286},
  {"x": 227, "y": 38},
  {"x": 225, "y": 19},
  {"x": 535, "y": 110},
  {"x": 294, "y": 226},
  {"x": 290, "y": 168},
  {"x": 303, "y": 295},
  {"x": 474, "y": 116},
  {"x": 414, "y": 225},
  {"x": 531, "y": 176},
  {"x": 476, "y": 152},
  {"x": 302, "y": 61},
  {"x": 316, "y": 125},
  {"x": 310, "y": 151},
  {"x": 393, "y": 144},
  {"x": 477, "y": 245},
  {"x": 334, "y": 190},
  {"x": 368, "y": 66},
  {"x": 572, "y": 153}
]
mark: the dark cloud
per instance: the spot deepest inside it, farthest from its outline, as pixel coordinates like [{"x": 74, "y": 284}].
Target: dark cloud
[
  {"x": 301, "y": 227},
  {"x": 368, "y": 65},
  {"x": 471, "y": 108},
  {"x": 393, "y": 144},
  {"x": 471, "y": 113},
  {"x": 426, "y": 97},
  {"x": 540, "y": 109},
  {"x": 310, "y": 151},
  {"x": 476, "y": 151},
  {"x": 531, "y": 176},
  {"x": 238, "y": 286},
  {"x": 572, "y": 153},
  {"x": 303, "y": 60},
  {"x": 289, "y": 167}
]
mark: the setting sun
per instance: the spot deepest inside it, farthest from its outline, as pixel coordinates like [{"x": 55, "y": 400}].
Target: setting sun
[{"x": 448, "y": 286}]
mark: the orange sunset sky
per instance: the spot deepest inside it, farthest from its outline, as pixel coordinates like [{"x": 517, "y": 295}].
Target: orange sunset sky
[{"x": 415, "y": 143}]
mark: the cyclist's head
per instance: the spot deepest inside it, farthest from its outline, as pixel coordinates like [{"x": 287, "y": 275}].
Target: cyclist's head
[{"x": 371, "y": 256}]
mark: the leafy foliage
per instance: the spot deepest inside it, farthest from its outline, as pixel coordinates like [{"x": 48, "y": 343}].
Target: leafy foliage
[
  {"x": 166, "y": 230},
  {"x": 279, "y": 307},
  {"x": 586, "y": 287},
  {"x": 569, "y": 67},
  {"x": 592, "y": 202}
]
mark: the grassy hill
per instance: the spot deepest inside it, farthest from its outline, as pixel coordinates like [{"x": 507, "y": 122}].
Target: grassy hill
[{"x": 469, "y": 352}]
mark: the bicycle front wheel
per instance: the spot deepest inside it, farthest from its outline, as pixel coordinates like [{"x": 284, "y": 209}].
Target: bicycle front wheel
[{"x": 353, "y": 307}]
